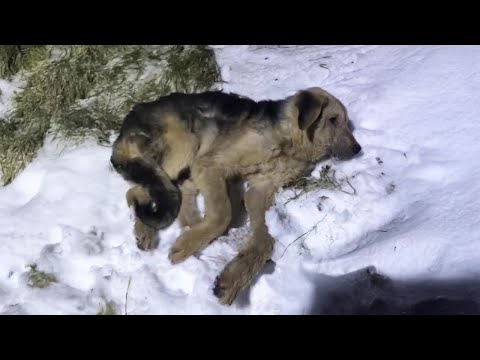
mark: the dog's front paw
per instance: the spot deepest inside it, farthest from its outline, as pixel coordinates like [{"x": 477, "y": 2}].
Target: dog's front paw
[
  {"x": 180, "y": 251},
  {"x": 178, "y": 255}
]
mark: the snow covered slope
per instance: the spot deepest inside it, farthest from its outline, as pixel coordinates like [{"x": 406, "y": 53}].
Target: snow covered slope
[{"x": 414, "y": 214}]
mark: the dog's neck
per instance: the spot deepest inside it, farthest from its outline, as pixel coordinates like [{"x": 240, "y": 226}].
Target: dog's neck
[{"x": 306, "y": 154}]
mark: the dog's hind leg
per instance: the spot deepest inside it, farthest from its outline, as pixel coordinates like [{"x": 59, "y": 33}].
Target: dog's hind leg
[
  {"x": 189, "y": 214},
  {"x": 155, "y": 199},
  {"x": 132, "y": 158},
  {"x": 239, "y": 273},
  {"x": 236, "y": 192},
  {"x": 211, "y": 182},
  {"x": 137, "y": 194},
  {"x": 145, "y": 235}
]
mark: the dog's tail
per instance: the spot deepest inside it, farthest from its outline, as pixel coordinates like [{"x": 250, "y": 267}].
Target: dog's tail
[
  {"x": 130, "y": 158},
  {"x": 163, "y": 205}
]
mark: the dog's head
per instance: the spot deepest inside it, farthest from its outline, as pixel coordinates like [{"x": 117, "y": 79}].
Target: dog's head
[{"x": 323, "y": 124}]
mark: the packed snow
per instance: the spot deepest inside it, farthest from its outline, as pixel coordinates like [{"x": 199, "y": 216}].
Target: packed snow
[{"x": 411, "y": 209}]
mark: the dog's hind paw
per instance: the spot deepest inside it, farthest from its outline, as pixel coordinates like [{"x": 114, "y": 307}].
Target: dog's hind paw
[
  {"x": 146, "y": 237},
  {"x": 232, "y": 280},
  {"x": 225, "y": 292}
]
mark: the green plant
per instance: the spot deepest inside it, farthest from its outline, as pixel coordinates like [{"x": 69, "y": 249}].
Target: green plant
[
  {"x": 39, "y": 279},
  {"x": 108, "y": 309}
]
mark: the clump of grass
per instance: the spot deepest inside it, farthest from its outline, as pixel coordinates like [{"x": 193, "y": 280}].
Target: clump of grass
[
  {"x": 80, "y": 92},
  {"x": 326, "y": 180},
  {"x": 39, "y": 279},
  {"x": 189, "y": 70},
  {"x": 108, "y": 309},
  {"x": 13, "y": 58}
]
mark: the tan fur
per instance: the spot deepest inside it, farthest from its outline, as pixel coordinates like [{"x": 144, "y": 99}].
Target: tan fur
[
  {"x": 267, "y": 159},
  {"x": 128, "y": 149},
  {"x": 189, "y": 214},
  {"x": 146, "y": 236},
  {"x": 137, "y": 193},
  {"x": 181, "y": 145}
]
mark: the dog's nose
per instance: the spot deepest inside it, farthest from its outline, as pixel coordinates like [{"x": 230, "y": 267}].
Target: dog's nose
[{"x": 356, "y": 148}]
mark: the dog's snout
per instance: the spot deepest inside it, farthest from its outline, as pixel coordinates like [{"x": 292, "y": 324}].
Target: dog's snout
[{"x": 356, "y": 148}]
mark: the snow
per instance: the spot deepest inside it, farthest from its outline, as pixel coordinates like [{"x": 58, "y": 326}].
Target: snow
[
  {"x": 7, "y": 89},
  {"x": 414, "y": 215}
]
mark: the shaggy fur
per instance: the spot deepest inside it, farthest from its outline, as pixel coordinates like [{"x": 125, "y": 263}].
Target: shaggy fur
[{"x": 183, "y": 144}]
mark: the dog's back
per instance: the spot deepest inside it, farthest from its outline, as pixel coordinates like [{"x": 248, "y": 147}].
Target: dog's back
[{"x": 225, "y": 111}]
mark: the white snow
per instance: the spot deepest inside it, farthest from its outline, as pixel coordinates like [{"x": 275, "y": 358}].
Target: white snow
[
  {"x": 415, "y": 108},
  {"x": 7, "y": 89}
]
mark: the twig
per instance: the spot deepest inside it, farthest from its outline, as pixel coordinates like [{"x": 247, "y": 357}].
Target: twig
[
  {"x": 296, "y": 196},
  {"x": 323, "y": 57},
  {"x": 346, "y": 192},
  {"x": 314, "y": 227},
  {"x": 126, "y": 295}
]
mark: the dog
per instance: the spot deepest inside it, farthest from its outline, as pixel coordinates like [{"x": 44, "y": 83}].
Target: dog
[{"x": 181, "y": 145}]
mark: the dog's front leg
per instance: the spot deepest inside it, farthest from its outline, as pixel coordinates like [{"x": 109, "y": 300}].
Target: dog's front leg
[
  {"x": 238, "y": 274},
  {"x": 211, "y": 182}
]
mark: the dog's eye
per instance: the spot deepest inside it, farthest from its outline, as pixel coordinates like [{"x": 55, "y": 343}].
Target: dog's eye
[{"x": 333, "y": 120}]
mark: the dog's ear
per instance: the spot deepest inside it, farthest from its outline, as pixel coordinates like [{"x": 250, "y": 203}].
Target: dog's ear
[{"x": 309, "y": 107}]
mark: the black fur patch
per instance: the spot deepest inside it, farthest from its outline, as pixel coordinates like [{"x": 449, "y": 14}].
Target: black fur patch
[
  {"x": 162, "y": 211},
  {"x": 218, "y": 290},
  {"x": 165, "y": 204},
  {"x": 139, "y": 119},
  {"x": 225, "y": 110},
  {"x": 183, "y": 175},
  {"x": 311, "y": 130},
  {"x": 138, "y": 172}
]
